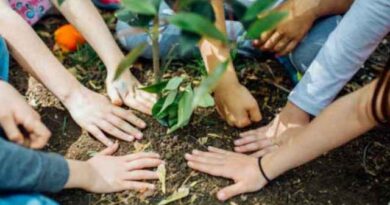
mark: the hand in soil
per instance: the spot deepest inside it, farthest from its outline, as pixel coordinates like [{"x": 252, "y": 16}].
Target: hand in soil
[
  {"x": 242, "y": 169},
  {"x": 96, "y": 114},
  {"x": 107, "y": 174},
  {"x": 286, "y": 36},
  {"x": 21, "y": 123},
  {"x": 126, "y": 91},
  {"x": 264, "y": 140},
  {"x": 237, "y": 106}
]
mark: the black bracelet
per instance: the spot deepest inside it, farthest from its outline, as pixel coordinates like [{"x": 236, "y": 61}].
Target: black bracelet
[{"x": 262, "y": 171}]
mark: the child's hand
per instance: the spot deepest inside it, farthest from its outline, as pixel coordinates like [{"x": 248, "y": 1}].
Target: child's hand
[
  {"x": 242, "y": 169},
  {"x": 106, "y": 174},
  {"x": 126, "y": 91},
  {"x": 237, "y": 106},
  {"x": 96, "y": 114},
  {"x": 16, "y": 113},
  {"x": 287, "y": 35}
]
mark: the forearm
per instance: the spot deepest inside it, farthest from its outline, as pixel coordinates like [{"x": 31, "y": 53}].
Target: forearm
[
  {"x": 27, "y": 170},
  {"x": 341, "y": 122},
  {"x": 214, "y": 52},
  {"x": 330, "y": 7},
  {"x": 34, "y": 56},
  {"x": 86, "y": 18}
]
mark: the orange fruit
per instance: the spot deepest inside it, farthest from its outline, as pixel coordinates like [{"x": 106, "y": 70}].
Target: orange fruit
[{"x": 68, "y": 38}]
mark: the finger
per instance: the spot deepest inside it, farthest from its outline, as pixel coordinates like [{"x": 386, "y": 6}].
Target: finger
[
  {"x": 135, "y": 104},
  {"x": 114, "y": 96},
  {"x": 255, "y": 146},
  {"x": 124, "y": 126},
  {"x": 143, "y": 163},
  {"x": 264, "y": 38},
  {"x": 141, "y": 155},
  {"x": 251, "y": 132},
  {"x": 115, "y": 132},
  {"x": 141, "y": 175},
  {"x": 129, "y": 116},
  {"x": 265, "y": 151},
  {"x": 230, "y": 191},
  {"x": 208, "y": 154},
  {"x": 272, "y": 41},
  {"x": 131, "y": 185},
  {"x": 240, "y": 118},
  {"x": 40, "y": 136},
  {"x": 203, "y": 160},
  {"x": 245, "y": 140},
  {"x": 290, "y": 47},
  {"x": 96, "y": 132},
  {"x": 254, "y": 113},
  {"x": 217, "y": 150},
  {"x": 215, "y": 170},
  {"x": 151, "y": 99},
  {"x": 222, "y": 114},
  {"x": 281, "y": 45},
  {"x": 11, "y": 130},
  {"x": 110, "y": 150}
]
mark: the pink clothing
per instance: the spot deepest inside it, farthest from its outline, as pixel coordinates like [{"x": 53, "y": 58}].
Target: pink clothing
[{"x": 31, "y": 10}]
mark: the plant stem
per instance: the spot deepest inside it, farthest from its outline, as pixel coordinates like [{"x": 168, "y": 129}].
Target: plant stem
[{"x": 156, "y": 49}]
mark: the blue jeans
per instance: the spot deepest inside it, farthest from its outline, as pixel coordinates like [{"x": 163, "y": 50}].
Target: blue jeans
[
  {"x": 297, "y": 60},
  {"x": 19, "y": 199}
]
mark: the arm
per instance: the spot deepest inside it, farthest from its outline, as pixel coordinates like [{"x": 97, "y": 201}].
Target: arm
[
  {"x": 353, "y": 117},
  {"x": 234, "y": 102},
  {"x": 90, "y": 110},
  {"x": 86, "y": 18},
  {"x": 302, "y": 14},
  {"x": 346, "y": 49}
]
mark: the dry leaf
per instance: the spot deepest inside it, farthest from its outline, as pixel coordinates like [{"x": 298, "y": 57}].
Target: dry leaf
[
  {"x": 141, "y": 147},
  {"x": 179, "y": 194},
  {"x": 162, "y": 172}
]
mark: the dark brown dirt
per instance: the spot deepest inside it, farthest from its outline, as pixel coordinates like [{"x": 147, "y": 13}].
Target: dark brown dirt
[{"x": 358, "y": 173}]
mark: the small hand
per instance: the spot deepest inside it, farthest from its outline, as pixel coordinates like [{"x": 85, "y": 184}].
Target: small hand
[
  {"x": 16, "y": 113},
  {"x": 96, "y": 114},
  {"x": 237, "y": 106},
  {"x": 126, "y": 90},
  {"x": 286, "y": 36},
  {"x": 242, "y": 169},
  {"x": 113, "y": 174}
]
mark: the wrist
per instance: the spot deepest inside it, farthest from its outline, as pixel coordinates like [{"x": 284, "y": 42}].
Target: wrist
[{"x": 80, "y": 173}]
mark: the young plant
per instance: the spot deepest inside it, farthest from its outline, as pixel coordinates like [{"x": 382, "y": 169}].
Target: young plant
[{"x": 177, "y": 98}]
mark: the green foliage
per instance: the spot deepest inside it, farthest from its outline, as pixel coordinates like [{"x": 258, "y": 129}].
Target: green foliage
[
  {"x": 178, "y": 100},
  {"x": 60, "y": 2}
]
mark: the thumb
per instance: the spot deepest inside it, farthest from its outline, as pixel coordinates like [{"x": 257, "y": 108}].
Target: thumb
[
  {"x": 255, "y": 114},
  {"x": 230, "y": 191},
  {"x": 114, "y": 96},
  {"x": 110, "y": 150}
]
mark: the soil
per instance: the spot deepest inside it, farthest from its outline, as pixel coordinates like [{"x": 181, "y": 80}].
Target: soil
[{"x": 357, "y": 173}]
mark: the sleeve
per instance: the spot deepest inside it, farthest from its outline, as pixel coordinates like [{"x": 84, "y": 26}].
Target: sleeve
[
  {"x": 22, "y": 169},
  {"x": 347, "y": 48}
]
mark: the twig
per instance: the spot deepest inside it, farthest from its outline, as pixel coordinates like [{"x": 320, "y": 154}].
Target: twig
[{"x": 277, "y": 86}]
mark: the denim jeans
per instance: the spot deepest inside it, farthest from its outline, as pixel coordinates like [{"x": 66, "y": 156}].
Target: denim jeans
[
  {"x": 297, "y": 60},
  {"x": 17, "y": 198}
]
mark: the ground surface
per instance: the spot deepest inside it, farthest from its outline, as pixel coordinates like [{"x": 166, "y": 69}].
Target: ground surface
[{"x": 358, "y": 173}]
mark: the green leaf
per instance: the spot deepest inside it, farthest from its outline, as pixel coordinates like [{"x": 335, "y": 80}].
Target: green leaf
[
  {"x": 60, "y": 2},
  {"x": 208, "y": 84},
  {"x": 185, "y": 109},
  {"x": 197, "y": 24},
  {"x": 156, "y": 110},
  {"x": 169, "y": 101},
  {"x": 206, "y": 101},
  {"x": 256, "y": 8},
  {"x": 174, "y": 83},
  {"x": 155, "y": 88},
  {"x": 129, "y": 60},
  {"x": 140, "y": 6},
  {"x": 264, "y": 24}
]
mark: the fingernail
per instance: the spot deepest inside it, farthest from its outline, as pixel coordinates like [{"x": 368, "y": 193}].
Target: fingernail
[
  {"x": 221, "y": 196},
  {"x": 130, "y": 138},
  {"x": 140, "y": 135},
  {"x": 110, "y": 143},
  {"x": 186, "y": 155}
]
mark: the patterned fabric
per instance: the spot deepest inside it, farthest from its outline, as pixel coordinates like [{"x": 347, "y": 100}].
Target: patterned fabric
[{"x": 31, "y": 10}]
